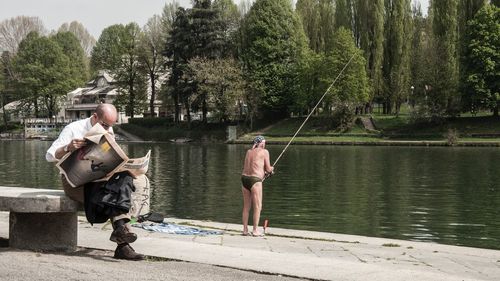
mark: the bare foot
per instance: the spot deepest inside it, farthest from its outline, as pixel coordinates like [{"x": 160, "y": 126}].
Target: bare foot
[{"x": 258, "y": 234}]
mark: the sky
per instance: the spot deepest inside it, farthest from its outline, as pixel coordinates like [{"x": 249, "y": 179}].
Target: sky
[{"x": 95, "y": 15}]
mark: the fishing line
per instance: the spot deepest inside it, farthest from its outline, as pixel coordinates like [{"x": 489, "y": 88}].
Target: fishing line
[{"x": 310, "y": 113}]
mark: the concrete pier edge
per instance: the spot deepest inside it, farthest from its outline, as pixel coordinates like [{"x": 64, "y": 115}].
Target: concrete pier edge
[{"x": 302, "y": 254}]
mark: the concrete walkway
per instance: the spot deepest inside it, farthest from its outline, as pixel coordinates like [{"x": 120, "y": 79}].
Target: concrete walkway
[{"x": 303, "y": 254}]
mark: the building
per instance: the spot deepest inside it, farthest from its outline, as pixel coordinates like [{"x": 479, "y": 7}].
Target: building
[{"x": 81, "y": 102}]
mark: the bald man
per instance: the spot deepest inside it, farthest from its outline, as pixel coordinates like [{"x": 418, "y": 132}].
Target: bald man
[{"x": 71, "y": 139}]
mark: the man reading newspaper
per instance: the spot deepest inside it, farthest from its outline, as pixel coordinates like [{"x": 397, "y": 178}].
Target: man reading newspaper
[{"x": 86, "y": 152}]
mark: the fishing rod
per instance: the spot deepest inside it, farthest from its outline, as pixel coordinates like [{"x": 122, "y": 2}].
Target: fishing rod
[{"x": 310, "y": 113}]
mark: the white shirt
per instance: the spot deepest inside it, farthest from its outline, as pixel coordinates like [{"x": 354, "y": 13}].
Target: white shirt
[{"x": 74, "y": 130}]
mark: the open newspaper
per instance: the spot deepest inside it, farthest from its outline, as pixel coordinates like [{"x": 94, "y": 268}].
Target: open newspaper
[{"x": 99, "y": 160}]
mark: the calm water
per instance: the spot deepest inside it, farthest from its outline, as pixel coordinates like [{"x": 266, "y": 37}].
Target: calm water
[{"x": 442, "y": 195}]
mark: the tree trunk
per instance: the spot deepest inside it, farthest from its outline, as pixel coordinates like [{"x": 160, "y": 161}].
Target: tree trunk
[
  {"x": 204, "y": 108},
  {"x": 188, "y": 112},
  {"x": 131, "y": 100},
  {"x": 4, "y": 114},
  {"x": 495, "y": 111},
  {"x": 176, "y": 107},
  {"x": 35, "y": 104},
  {"x": 153, "y": 94}
]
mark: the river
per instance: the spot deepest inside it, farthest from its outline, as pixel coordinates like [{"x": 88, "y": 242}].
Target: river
[{"x": 434, "y": 194}]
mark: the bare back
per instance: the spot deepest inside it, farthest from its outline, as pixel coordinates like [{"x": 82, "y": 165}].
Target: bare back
[{"x": 257, "y": 162}]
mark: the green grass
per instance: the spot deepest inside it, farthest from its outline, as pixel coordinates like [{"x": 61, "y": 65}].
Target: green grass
[
  {"x": 465, "y": 126},
  {"x": 313, "y": 127},
  {"x": 390, "y": 128}
]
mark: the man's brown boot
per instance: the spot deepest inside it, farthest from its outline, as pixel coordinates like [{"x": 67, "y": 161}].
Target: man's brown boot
[
  {"x": 126, "y": 252},
  {"x": 123, "y": 235}
]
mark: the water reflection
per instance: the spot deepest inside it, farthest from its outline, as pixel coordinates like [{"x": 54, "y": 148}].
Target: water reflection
[{"x": 443, "y": 195}]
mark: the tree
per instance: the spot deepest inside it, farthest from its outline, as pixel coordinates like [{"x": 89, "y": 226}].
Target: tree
[
  {"x": 466, "y": 11},
  {"x": 370, "y": 38},
  {"x": 229, "y": 18},
  {"x": 168, "y": 18},
  {"x": 444, "y": 96},
  {"x": 151, "y": 44},
  {"x": 222, "y": 81},
  {"x": 14, "y": 30},
  {"x": 108, "y": 51},
  {"x": 178, "y": 51},
  {"x": 420, "y": 56},
  {"x": 208, "y": 40},
  {"x": 343, "y": 14},
  {"x": 130, "y": 73},
  {"x": 352, "y": 89},
  {"x": 3, "y": 98},
  {"x": 396, "y": 68},
  {"x": 244, "y": 7},
  {"x": 87, "y": 41},
  {"x": 318, "y": 21},
  {"x": 43, "y": 73},
  {"x": 274, "y": 43},
  {"x": 481, "y": 61},
  {"x": 78, "y": 69},
  {"x": 117, "y": 52},
  {"x": 6, "y": 82}
]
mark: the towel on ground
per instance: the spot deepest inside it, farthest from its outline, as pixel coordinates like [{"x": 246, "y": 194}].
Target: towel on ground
[{"x": 172, "y": 228}]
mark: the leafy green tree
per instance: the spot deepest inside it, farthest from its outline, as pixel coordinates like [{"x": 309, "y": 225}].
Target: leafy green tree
[
  {"x": 3, "y": 86},
  {"x": 130, "y": 74},
  {"x": 466, "y": 11},
  {"x": 308, "y": 13},
  {"x": 117, "y": 51},
  {"x": 222, "y": 81},
  {"x": 6, "y": 83},
  {"x": 318, "y": 20},
  {"x": 151, "y": 44},
  {"x": 370, "y": 38},
  {"x": 206, "y": 30},
  {"x": 230, "y": 19},
  {"x": 43, "y": 71},
  {"x": 351, "y": 90},
  {"x": 310, "y": 68},
  {"x": 419, "y": 57},
  {"x": 343, "y": 14},
  {"x": 209, "y": 42},
  {"x": 108, "y": 51},
  {"x": 444, "y": 97},
  {"x": 397, "y": 54},
  {"x": 71, "y": 47},
  {"x": 481, "y": 61},
  {"x": 274, "y": 43},
  {"x": 12, "y": 32},
  {"x": 179, "y": 50}
]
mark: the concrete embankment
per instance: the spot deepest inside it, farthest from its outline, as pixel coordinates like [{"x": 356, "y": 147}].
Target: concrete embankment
[{"x": 282, "y": 252}]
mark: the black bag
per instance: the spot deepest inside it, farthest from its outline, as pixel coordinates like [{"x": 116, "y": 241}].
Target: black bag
[{"x": 154, "y": 217}]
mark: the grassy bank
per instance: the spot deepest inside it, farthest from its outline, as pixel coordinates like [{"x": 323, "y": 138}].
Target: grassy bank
[{"x": 389, "y": 130}]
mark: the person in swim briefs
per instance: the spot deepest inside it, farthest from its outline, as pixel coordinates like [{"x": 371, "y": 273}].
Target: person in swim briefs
[{"x": 256, "y": 166}]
